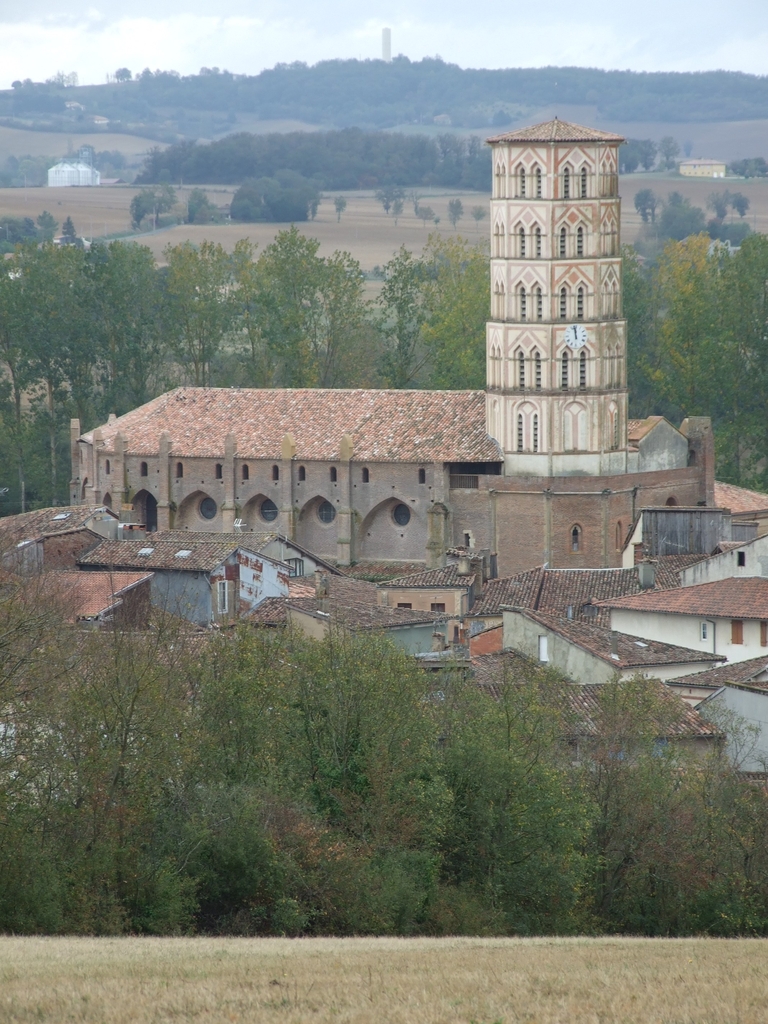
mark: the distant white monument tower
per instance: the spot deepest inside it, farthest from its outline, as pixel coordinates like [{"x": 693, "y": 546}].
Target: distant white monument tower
[{"x": 386, "y": 44}]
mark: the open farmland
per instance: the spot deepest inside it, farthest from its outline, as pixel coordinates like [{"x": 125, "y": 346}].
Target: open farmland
[
  {"x": 377, "y": 981},
  {"x": 18, "y": 142},
  {"x": 364, "y": 229}
]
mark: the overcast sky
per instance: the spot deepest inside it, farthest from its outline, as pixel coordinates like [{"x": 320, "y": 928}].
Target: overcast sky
[{"x": 40, "y": 37}]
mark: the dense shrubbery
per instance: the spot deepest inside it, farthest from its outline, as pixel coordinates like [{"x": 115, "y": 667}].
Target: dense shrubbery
[
  {"x": 288, "y": 197},
  {"x": 334, "y": 160},
  {"x": 261, "y": 783}
]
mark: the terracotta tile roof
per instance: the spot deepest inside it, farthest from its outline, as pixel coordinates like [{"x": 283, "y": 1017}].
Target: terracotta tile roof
[
  {"x": 45, "y": 522},
  {"x": 557, "y": 131},
  {"x": 448, "y": 576},
  {"x": 521, "y": 590},
  {"x": 733, "y": 672},
  {"x": 272, "y": 611},
  {"x": 380, "y": 572},
  {"x": 90, "y": 594},
  {"x": 735, "y": 598},
  {"x": 386, "y": 426},
  {"x": 251, "y": 540},
  {"x": 582, "y": 705},
  {"x": 739, "y": 499},
  {"x": 553, "y": 591},
  {"x": 204, "y": 556},
  {"x": 354, "y": 604},
  {"x": 633, "y": 652},
  {"x": 637, "y": 429}
]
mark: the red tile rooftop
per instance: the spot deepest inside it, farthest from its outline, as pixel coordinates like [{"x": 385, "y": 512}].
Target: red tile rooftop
[
  {"x": 557, "y": 131},
  {"x": 734, "y": 598},
  {"x": 739, "y": 499},
  {"x": 385, "y": 426}
]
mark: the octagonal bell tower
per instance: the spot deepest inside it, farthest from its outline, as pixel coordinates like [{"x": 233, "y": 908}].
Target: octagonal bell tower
[{"x": 556, "y": 343}]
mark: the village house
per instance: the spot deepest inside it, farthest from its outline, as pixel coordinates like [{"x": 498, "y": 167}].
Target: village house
[
  {"x": 53, "y": 538},
  {"x": 101, "y": 598},
  {"x": 205, "y": 581}
]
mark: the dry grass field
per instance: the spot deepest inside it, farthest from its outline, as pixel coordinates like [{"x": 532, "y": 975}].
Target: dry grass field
[
  {"x": 384, "y": 981},
  {"x": 364, "y": 229},
  {"x": 18, "y": 142}
]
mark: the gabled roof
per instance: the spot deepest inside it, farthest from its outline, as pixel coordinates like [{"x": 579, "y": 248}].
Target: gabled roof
[
  {"x": 733, "y": 672},
  {"x": 557, "y": 131},
  {"x": 554, "y": 591},
  {"x": 354, "y": 604},
  {"x": 46, "y": 522},
  {"x": 741, "y": 597},
  {"x": 582, "y": 704},
  {"x": 447, "y": 576},
  {"x": 633, "y": 652},
  {"x": 739, "y": 499},
  {"x": 637, "y": 429},
  {"x": 89, "y": 595},
  {"x": 385, "y": 426},
  {"x": 203, "y": 556}
]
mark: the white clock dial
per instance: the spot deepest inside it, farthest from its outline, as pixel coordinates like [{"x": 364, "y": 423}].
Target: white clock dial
[{"x": 576, "y": 336}]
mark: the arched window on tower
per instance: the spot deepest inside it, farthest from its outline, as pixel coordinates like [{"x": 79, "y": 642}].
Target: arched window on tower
[
  {"x": 564, "y": 369},
  {"x": 498, "y": 295},
  {"x": 537, "y": 369},
  {"x": 495, "y": 368},
  {"x": 580, "y": 303},
  {"x": 580, "y": 241},
  {"x": 566, "y": 183},
  {"x": 521, "y": 369},
  {"x": 523, "y": 303},
  {"x": 522, "y": 182},
  {"x": 537, "y": 236},
  {"x": 539, "y": 303},
  {"x": 563, "y": 302},
  {"x": 521, "y": 234},
  {"x": 583, "y": 182},
  {"x": 535, "y": 444},
  {"x": 583, "y": 369},
  {"x": 520, "y": 436},
  {"x": 498, "y": 239},
  {"x": 538, "y": 183},
  {"x": 275, "y": 472},
  {"x": 501, "y": 181},
  {"x": 575, "y": 538},
  {"x": 563, "y": 243}
]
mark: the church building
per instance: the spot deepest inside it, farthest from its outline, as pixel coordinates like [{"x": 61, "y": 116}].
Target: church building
[{"x": 544, "y": 466}]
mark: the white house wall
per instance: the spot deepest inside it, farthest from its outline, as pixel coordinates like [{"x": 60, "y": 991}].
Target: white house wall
[{"x": 685, "y": 631}]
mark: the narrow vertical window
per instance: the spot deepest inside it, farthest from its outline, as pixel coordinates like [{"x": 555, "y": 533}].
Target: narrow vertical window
[
  {"x": 583, "y": 182},
  {"x": 522, "y": 182},
  {"x": 538, "y": 183},
  {"x": 737, "y": 631},
  {"x": 563, "y": 303},
  {"x": 107, "y": 467},
  {"x": 522, "y": 243},
  {"x": 575, "y": 538},
  {"x": 616, "y": 431},
  {"x": 179, "y": 470},
  {"x": 583, "y": 369},
  {"x": 219, "y": 471},
  {"x": 537, "y": 235},
  {"x": 537, "y": 366},
  {"x": 580, "y": 303},
  {"x": 275, "y": 472},
  {"x": 764, "y": 634},
  {"x": 302, "y": 473},
  {"x": 422, "y": 476},
  {"x": 519, "y": 431},
  {"x": 144, "y": 470},
  {"x": 539, "y": 304},
  {"x": 619, "y": 536},
  {"x": 566, "y": 184},
  {"x": 535, "y": 431},
  {"x": 333, "y": 474},
  {"x": 521, "y": 369},
  {"x": 523, "y": 303},
  {"x": 564, "y": 370},
  {"x": 246, "y": 473},
  {"x": 563, "y": 237},
  {"x": 580, "y": 242},
  {"x": 365, "y": 475}
]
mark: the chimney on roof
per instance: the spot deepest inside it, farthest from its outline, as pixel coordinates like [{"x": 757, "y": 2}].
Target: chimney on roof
[
  {"x": 464, "y": 567},
  {"x": 646, "y": 575},
  {"x": 321, "y": 585},
  {"x": 614, "y": 645},
  {"x": 438, "y": 641}
]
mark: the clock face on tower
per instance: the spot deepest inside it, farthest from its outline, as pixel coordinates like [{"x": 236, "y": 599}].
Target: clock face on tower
[{"x": 576, "y": 336}]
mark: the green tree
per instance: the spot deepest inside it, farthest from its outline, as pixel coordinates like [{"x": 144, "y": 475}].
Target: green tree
[
  {"x": 152, "y": 202},
  {"x": 646, "y": 203},
  {"x": 387, "y": 196},
  {"x": 197, "y": 304},
  {"x": 403, "y": 315},
  {"x": 478, "y": 213},
  {"x": 68, "y": 231},
  {"x": 340, "y": 205},
  {"x": 739, "y": 203},
  {"x": 397, "y": 209},
  {"x": 425, "y": 213},
  {"x": 680, "y": 218},
  {"x": 48, "y": 226},
  {"x": 455, "y": 211},
  {"x": 200, "y": 210},
  {"x": 669, "y": 150},
  {"x": 719, "y": 202}
]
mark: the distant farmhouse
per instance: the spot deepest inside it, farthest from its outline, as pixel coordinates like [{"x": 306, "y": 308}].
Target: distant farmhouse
[
  {"x": 66, "y": 173},
  {"x": 702, "y": 168}
]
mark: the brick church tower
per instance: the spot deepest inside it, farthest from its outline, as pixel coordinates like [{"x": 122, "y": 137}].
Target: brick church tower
[{"x": 556, "y": 346}]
